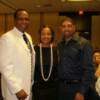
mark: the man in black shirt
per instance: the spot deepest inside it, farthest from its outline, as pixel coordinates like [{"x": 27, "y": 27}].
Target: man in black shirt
[{"x": 75, "y": 70}]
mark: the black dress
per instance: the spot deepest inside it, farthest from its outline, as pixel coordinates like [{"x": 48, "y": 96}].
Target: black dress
[{"x": 45, "y": 90}]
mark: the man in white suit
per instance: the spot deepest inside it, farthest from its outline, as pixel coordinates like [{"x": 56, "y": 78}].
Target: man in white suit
[{"x": 16, "y": 60}]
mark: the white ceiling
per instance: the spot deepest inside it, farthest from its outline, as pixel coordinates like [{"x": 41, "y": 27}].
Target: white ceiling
[{"x": 9, "y": 6}]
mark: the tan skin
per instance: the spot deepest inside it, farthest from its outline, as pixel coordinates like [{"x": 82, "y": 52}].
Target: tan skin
[
  {"x": 46, "y": 37},
  {"x": 22, "y": 22},
  {"x": 68, "y": 30}
]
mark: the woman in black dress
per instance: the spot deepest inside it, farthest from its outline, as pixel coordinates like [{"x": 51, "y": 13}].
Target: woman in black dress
[{"x": 45, "y": 85}]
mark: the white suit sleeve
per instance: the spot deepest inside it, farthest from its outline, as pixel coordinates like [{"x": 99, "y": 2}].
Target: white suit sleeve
[{"x": 7, "y": 67}]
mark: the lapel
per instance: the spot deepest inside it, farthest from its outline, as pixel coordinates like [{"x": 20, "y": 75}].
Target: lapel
[{"x": 22, "y": 43}]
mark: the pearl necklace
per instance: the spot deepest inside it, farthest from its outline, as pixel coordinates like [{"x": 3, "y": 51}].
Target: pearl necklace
[{"x": 41, "y": 63}]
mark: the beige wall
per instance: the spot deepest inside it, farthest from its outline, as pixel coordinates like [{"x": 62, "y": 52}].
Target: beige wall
[
  {"x": 2, "y": 24},
  {"x": 6, "y": 23},
  {"x": 95, "y": 31},
  {"x": 51, "y": 19},
  {"x": 34, "y": 26}
]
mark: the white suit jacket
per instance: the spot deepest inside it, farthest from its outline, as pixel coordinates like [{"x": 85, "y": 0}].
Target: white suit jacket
[{"x": 15, "y": 64}]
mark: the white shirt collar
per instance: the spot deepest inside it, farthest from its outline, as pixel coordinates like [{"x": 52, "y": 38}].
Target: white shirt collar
[{"x": 18, "y": 31}]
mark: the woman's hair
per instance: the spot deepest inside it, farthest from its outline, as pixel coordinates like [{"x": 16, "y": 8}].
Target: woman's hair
[{"x": 52, "y": 32}]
